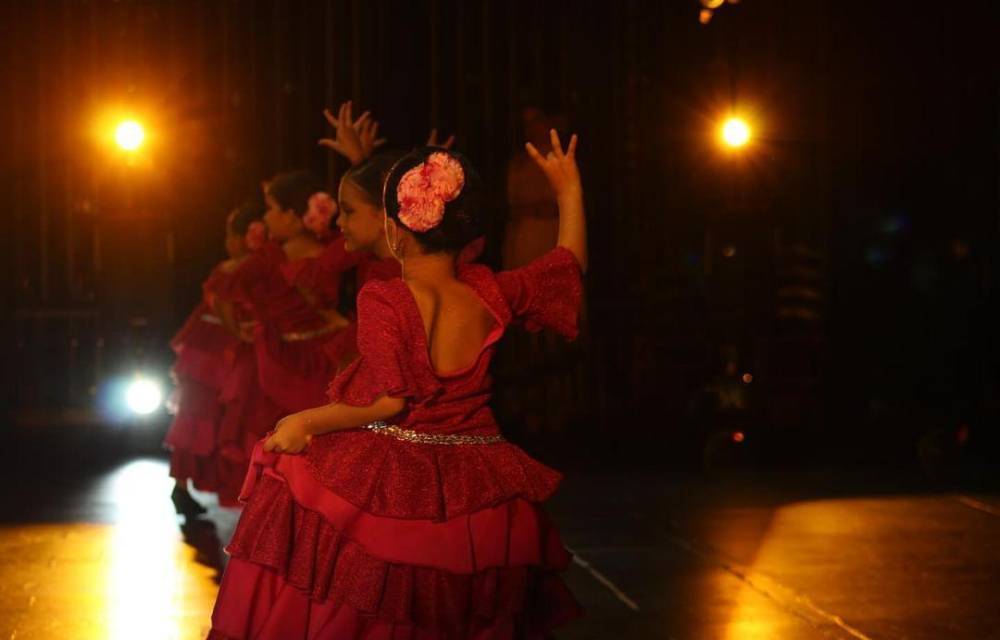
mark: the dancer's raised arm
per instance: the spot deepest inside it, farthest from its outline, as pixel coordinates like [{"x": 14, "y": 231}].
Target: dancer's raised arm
[{"x": 560, "y": 168}]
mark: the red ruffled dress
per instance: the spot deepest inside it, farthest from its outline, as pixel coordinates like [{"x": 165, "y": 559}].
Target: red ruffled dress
[
  {"x": 297, "y": 348},
  {"x": 426, "y": 529},
  {"x": 206, "y": 353}
]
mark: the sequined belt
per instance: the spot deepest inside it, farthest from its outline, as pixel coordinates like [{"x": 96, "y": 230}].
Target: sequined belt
[
  {"x": 299, "y": 336},
  {"x": 420, "y": 437}
]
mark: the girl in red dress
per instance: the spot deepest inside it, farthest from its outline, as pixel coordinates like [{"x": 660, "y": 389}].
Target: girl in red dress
[
  {"x": 206, "y": 352},
  {"x": 292, "y": 287},
  {"x": 247, "y": 413},
  {"x": 398, "y": 510}
]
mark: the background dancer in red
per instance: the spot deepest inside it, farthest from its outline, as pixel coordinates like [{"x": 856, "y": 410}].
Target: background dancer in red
[
  {"x": 206, "y": 351},
  {"x": 399, "y": 510},
  {"x": 299, "y": 330},
  {"x": 247, "y": 411}
]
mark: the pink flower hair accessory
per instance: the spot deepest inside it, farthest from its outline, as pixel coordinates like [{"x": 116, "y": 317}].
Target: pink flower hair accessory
[
  {"x": 256, "y": 235},
  {"x": 321, "y": 210},
  {"x": 424, "y": 190}
]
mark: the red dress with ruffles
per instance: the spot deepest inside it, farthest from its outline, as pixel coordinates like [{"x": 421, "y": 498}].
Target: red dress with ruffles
[
  {"x": 206, "y": 354},
  {"x": 297, "y": 351},
  {"x": 371, "y": 534}
]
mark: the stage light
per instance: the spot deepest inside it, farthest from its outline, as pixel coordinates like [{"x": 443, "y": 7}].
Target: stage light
[
  {"x": 143, "y": 396},
  {"x": 129, "y": 135},
  {"x": 735, "y": 132},
  {"x": 738, "y": 437}
]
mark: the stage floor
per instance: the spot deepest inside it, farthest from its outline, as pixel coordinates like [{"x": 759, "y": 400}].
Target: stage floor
[{"x": 91, "y": 549}]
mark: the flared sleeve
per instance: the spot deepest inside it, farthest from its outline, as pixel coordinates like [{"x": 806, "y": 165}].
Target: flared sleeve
[{"x": 546, "y": 293}]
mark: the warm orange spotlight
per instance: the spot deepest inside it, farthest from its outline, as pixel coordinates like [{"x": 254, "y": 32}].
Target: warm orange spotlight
[
  {"x": 735, "y": 132},
  {"x": 129, "y": 135}
]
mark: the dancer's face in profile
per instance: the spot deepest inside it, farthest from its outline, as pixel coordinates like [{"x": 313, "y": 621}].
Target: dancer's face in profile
[
  {"x": 360, "y": 221},
  {"x": 281, "y": 224}
]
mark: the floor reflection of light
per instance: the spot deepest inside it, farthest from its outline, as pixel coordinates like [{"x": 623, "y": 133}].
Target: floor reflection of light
[
  {"x": 124, "y": 574},
  {"x": 150, "y": 588},
  {"x": 801, "y": 552}
]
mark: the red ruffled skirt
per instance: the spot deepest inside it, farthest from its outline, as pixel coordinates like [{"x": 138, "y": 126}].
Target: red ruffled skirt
[
  {"x": 205, "y": 355},
  {"x": 221, "y": 411},
  {"x": 309, "y": 564},
  {"x": 204, "y": 350},
  {"x": 247, "y": 414}
]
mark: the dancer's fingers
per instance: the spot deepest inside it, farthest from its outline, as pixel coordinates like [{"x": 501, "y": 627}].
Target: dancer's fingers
[
  {"x": 330, "y": 118},
  {"x": 556, "y": 143},
  {"x": 571, "y": 152},
  {"x": 533, "y": 152}
]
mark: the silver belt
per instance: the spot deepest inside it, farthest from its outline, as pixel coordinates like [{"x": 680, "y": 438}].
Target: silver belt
[{"x": 420, "y": 437}]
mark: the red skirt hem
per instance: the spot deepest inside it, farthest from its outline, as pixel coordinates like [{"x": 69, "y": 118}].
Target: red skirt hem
[{"x": 257, "y": 602}]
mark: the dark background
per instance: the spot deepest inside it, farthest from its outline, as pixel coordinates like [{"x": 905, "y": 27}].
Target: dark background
[{"x": 847, "y": 260}]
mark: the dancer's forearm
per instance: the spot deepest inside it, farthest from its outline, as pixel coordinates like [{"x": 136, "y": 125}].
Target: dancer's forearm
[
  {"x": 338, "y": 416},
  {"x": 573, "y": 226}
]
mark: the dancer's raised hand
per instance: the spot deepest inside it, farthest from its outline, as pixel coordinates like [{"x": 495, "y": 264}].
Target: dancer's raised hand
[
  {"x": 562, "y": 173},
  {"x": 559, "y": 166},
  {"x": 347, "y": 140},
  {"x": 367, "y": 128}
]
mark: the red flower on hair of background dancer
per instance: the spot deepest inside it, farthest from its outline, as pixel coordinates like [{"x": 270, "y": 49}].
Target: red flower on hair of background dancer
[
  {"x": 256, "y": 235},
  {"x": 425, "y": 189},
  {"x": 322, "y": 208}
]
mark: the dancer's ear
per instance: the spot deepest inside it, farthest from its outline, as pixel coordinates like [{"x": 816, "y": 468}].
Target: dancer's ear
[{"x": 393, "y": 237}]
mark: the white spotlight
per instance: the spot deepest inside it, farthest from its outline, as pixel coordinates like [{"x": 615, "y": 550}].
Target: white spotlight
[{"x": 143, "y": 396}]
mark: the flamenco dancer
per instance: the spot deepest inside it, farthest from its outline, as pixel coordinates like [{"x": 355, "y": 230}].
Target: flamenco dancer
[
  {"x": 292, "y": 287},
  {"x": 398, "y": 510},
  {"x": 206, "y": 351}
]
